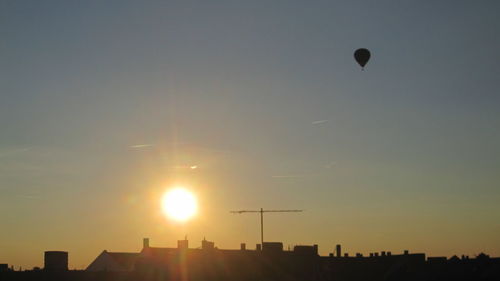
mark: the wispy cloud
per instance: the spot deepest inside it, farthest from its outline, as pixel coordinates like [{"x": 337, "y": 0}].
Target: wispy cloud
[
  {"x": 140, "y": 145},
  {"x": 317, "y": 122},
  {"x": 330, "y": 165},
  {"x": 30, "y": 196},
  {"x": 14, "y": 151},
  {"x": 192, "y": 167},
  {"x": 287, "y": 176}
]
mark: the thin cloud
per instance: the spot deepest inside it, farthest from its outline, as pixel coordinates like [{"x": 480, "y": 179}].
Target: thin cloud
[
  {"x": 15, "y": 151},
  {"x": 191, "y": 167},
  {"x": 287, "y": 176},
  {"x": 30, "y": 196},
  {"x": 317, "y": 122},
  {"x": 330, "y": 165},
  {"x": 141, "y": 145}
]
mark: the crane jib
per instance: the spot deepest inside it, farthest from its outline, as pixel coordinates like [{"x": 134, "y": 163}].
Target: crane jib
[{"x": 262, "y": 211}]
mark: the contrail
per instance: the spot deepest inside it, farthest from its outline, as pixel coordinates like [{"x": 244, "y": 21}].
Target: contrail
[
  {"x": 330, "y": 165},
  {"x": 287, "y": 176},
  {"x": 319, "y": 122},
  {"x": 140, "y": 145},
  {"x": 192, "y": 167},
  {"x": 20, "y": 150}
]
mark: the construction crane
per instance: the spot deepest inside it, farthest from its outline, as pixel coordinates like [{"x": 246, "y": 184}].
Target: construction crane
[{"x": 262, "y": 211}]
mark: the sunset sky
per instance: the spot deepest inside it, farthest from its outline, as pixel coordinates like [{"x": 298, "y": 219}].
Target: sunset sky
[{"x": 105, "y": 105}]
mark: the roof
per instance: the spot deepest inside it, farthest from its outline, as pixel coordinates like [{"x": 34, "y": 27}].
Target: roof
[
  {"x": 157, "y": 252},
  {"x": 113, "y": 261},
  {"x": 127, "y": 260}
]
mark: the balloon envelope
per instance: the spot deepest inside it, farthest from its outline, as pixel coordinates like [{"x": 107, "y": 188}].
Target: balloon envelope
[{"x": 362, "y": 56}]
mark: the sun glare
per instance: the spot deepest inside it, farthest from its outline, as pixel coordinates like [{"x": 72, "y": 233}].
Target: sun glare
[{"x": 179, "y": 204}]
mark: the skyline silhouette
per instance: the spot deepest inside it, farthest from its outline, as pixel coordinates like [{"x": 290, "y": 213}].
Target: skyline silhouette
[{"x": 268, "y": 261}]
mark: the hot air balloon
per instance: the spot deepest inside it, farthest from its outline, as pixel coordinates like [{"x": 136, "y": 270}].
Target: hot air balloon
[{"x": 362, "y": 56}]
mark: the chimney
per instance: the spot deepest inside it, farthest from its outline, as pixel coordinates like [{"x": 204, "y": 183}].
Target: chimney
[
  {"x": 338, "y": 251},
  {"x": 243, "y": 246},
  {"x": 207, "y": 245},
  {"x": 259, "y": 247},
  {"x": 145, "y": 243},
  {"x": 406, "y": 252},
  {"x": 182, "y": 244},
  {"x": 315, "y": 247},
  {"x": 383, "y": 253},
  {"x": 389, "y": 253}
]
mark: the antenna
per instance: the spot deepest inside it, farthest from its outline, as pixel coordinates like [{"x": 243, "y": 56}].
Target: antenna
[{"x": 262, "y": 211}]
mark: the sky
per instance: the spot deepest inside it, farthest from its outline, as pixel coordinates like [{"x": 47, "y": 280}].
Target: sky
[{"x": 105, "y": 105}]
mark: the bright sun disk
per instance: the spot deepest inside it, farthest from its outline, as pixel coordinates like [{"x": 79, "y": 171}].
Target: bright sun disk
[{"x": 179, "y": 204}]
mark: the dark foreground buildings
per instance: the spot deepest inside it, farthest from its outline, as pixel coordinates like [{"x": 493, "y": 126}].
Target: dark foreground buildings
[
  {"x": 55, "y": 261},
  {"x": 267, "y": 262}
]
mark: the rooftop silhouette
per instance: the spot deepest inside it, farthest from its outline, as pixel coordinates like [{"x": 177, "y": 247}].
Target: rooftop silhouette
[{"x": 267, "y": 261}]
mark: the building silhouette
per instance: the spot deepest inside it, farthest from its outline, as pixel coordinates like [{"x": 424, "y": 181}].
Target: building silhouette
[
  {"x": 4, "y": 267},
  {"x": 268, "y": 261},
  {"x": 55, "y": 261},
  {"x": 112, "y": 261}
]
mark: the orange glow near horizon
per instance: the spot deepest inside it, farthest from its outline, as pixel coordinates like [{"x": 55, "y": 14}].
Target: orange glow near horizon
[{"x": 179, "y": 204}]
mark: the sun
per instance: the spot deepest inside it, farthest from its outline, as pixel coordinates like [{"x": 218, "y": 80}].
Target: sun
[{"x": 179, "y": 204}]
